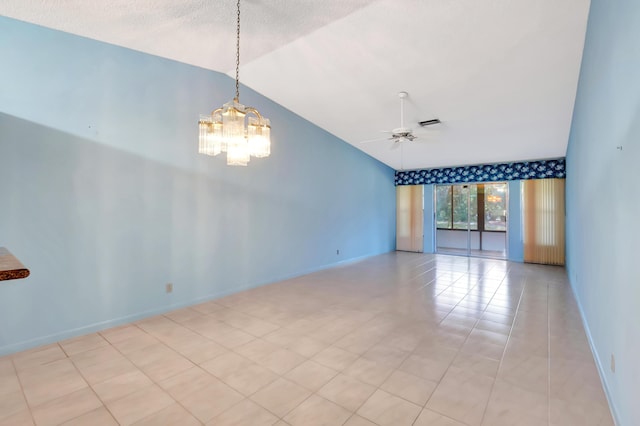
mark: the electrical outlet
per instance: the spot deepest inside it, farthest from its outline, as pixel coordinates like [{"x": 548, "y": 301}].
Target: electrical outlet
[
  {"x": 613, "y": 363},
  {"x": 169, "y": 288},
  {"x": 338, "y": 251}
]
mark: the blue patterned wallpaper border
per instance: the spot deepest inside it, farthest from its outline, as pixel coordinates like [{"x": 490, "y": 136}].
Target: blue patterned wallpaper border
[{"x": 525, "y": 170}]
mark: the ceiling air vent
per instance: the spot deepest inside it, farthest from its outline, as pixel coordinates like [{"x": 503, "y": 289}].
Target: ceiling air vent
[{"x": 429, "y": 122}]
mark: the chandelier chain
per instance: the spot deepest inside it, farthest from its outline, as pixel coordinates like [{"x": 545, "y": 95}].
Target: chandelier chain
[
  {"x": 238, "y": 55},
  {"x": 235, "y": 129}
]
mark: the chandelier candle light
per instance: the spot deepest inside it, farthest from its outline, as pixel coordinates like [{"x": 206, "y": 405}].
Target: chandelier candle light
[{"x": 225, "y": 129}]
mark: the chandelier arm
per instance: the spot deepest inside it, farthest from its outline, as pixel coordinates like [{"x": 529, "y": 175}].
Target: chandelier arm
[
  {"x": 238, "y": 55},
  {"x": 254, "y": 111}
]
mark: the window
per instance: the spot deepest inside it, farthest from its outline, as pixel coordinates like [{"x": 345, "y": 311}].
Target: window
[
  {"x": 495, "y": 206},
  {"x": 443, "y": 205},
  {"x": 453, "y": 207},
  {"x": 457, "y": 204}
]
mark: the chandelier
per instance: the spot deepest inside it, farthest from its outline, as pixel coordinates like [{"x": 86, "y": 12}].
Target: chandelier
[{"x": 238, "y": 130}]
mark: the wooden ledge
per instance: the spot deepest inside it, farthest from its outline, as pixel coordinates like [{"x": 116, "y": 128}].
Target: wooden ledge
[{"x": 10, "y": 266}]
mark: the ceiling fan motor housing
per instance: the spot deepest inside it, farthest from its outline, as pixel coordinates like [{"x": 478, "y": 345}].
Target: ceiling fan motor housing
[{"x": 402, "y": 134}]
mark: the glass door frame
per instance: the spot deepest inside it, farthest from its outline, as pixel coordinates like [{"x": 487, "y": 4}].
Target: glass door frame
[{"x": 469, "y": 253}]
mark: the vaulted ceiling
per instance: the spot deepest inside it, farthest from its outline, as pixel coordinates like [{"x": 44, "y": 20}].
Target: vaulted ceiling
[{"x": 501, "y": 75}]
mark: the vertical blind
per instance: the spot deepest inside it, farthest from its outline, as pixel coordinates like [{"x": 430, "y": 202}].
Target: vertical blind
[
  {"x": 543, "y": 218},
  {"x": 409, "y": 218}
]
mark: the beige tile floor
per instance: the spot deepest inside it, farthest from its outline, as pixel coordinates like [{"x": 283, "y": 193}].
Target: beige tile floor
[{"x": 398, "y": 339}]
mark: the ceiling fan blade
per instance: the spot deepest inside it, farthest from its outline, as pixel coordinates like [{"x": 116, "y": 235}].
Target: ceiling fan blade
[
  {"x": 426, "y": 135},
  {"x": 373, "y": 140},
  {"x": 396, "y": 144},
  {"x": 430, "y": 132}
]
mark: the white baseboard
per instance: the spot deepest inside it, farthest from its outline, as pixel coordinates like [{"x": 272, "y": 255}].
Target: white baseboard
[{"x": 599, "y": 365}]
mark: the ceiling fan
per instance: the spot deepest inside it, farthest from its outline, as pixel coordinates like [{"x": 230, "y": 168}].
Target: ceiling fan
[{"x": 402, "y": 133}]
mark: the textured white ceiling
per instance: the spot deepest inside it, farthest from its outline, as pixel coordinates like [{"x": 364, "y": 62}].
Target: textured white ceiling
[{"x": 500, "y": 74}]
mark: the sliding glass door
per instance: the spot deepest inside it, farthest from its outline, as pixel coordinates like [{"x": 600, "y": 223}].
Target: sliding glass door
[{"x": 471, "y": 219}]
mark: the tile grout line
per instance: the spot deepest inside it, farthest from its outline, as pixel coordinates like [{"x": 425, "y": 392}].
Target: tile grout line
[
  {"x": 93, "y": 391},
  {"x": 467, "y": 338},
  {"x": 24, "y": 395},
  {"x": 378, "y": 387},
  {"x": 280, "y": 376},
  {"x": 68, "y": 357},
  {"x": 504, "y": 351},
  {"x": 140, "y": 370},
  {"x": 245, "y": 397},
  {"x": 104, "y": 404}
]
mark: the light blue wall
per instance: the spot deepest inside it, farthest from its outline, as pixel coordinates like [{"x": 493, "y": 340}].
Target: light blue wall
[
  {"x": 603, "y": 201},
  {"x": 104, "y": 198},
  {"x": 514, "y": 222},
  {"x": 429, "y": 225}
]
